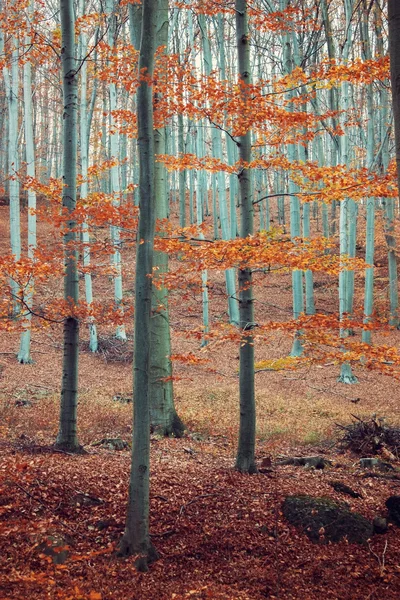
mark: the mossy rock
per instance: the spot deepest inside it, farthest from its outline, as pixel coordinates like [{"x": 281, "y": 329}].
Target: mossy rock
[
  {"x": 324, "y": 520},
  {"x": 56, "y": 547},
  {"x": 393, "y": 506},
  {"x": 112, "y": 444}
]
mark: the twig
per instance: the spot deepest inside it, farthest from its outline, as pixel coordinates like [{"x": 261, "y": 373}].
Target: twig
[
  {"x": 42, "y": 504},
  {"x": 193, "y": 500},
  {"x": 330, "y": 391},
  {"x": 164, "y": 534},
  {"x": 44, "y": 387},
  {"x": 380, "y": 559}
]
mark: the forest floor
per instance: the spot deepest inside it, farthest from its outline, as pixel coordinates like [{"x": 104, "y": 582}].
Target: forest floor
[{"x": 220, "y": 534}]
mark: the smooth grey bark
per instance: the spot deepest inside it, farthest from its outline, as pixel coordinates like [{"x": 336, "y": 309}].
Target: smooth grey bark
[
  {"x": 115, "y": 184},
  {"x": 24, "y": 354},
  {"x": 84, "y": 145},
  {"x": 245, "y": 458},
  {"x": 181, "y": 143},
  {"x": 136, "y": 538},
  {"x": 394, "y": 52},
  {"x": 217, "y": 152},
  {"x": 370, "y": 205},
  {"x": 11, "y": 84},
  {"x": 67, "y": 435},
  {"x": 163, "y": 416},
  {"x": 348, "y": 209},
  {"x": 289, "y": 41}
]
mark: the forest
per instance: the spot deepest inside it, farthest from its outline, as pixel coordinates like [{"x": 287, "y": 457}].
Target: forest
[{"x": 199, "y": 312}]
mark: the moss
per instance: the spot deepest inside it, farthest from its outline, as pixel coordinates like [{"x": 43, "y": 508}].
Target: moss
[{"x": 324, "y": 520}]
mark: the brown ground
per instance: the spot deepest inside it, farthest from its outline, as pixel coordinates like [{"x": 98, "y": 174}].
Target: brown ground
[{"x": 219, "y": 534}]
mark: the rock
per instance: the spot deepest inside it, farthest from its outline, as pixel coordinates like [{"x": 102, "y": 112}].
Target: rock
[
  {"x": 316, "y": 462},
  {"x": 123, "y": 398},
  {"x": 393, "y": 506},
  {"x": 338, "y": 486},
  {"x": 322, "y": 519},
  {"x": 23, "y": 402},
  {"x": 104, "y": 524},
  {"x": 380, "y": 525},
  {"x": 56, "y": 547},
  {"x": 112, "y": 444},
  {"x": 87, "y": 500},
  {"x": 376, "y": 463},
  {"x": 368, "y": 463}
]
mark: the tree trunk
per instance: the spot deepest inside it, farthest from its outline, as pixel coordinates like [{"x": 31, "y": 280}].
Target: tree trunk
[
  {"x": 136, "y": 538},
  {"x": 394, "y": 51},
  {"x": 163, "y": 417},
  {"x": 245, "y": 458},
  {"x": 84, "y": 145},
  {"x": 67, "y": 436},
  {"x": 24, "y": 354},
  {"x": 115, "y": 190}
]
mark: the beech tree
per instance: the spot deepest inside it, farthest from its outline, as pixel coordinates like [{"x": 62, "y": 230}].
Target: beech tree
[
  {"x": 24, "y": 354},
  {"x": 163, "y": 416},
  {"x": 136, "y": 538},
  {"x": 245, "y": 458},
  {"x": 394, "y": 50},
  {"x": 67, "y": 434}
]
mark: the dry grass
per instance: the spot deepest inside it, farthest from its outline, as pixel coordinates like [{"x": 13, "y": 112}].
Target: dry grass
[{"x": 303, "y": 419}]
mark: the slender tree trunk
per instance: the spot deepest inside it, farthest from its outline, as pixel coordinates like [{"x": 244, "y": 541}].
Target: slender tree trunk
[
  {"x": 394, "y": 51},
  {"x": 24, "y": 354},
  {"x": 370, "y": 229},
  {"x": 67, "y": 435},
  {"x": 115, "y": 183},
  {"x": 163, "y": 417},
  {"x": 136, "y": 538},
  {"x": 11, "y": 82},
  {"x": 245, "y": 458},
  {"x": 348, "y": 212},
  {"x": 84, "y": 144},
  {"x": 233, "y": 308}
]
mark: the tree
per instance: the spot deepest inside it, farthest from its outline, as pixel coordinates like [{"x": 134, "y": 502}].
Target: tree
[
  {"x": 67, "y": 435},
  {"x": 394, "y": 51},
  {"x": 24, "y": 354},
  {"x": 11, "y": 83},
  {"x": 245, "y": 460},
  {"x": 84, "y": 147},
  {"x": 136, "y": 538},
  {"x": 163, "y": 416}
]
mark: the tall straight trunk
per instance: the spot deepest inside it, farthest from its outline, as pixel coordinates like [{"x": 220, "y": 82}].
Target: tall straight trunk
[
  {"x": 181, "y": 143},
  {"x": 394, "y": 51},
  {"x": 136, "y": 538},
  {"x": 67, "y": 436},
  {"x": 348, "y": 211},
  {"x": 189, "y": 149},
  {"x": 84, "y": 139},
  {"x": 295, "y": 221},
  {"x": 370, "y": 228},
  {"x": 245, "y": 458},
  {"x": 24, "y": 354},
  {"x": 115, "y": 177},
  {"x": 135, "y": 28},
  {"x": 333, "y": 102},
  {"x": 163, "y": 417},
  {"x": 199, "y": 221},
  {"x": 11, "y": 84},
  {"x": 217, "y": 151}
]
